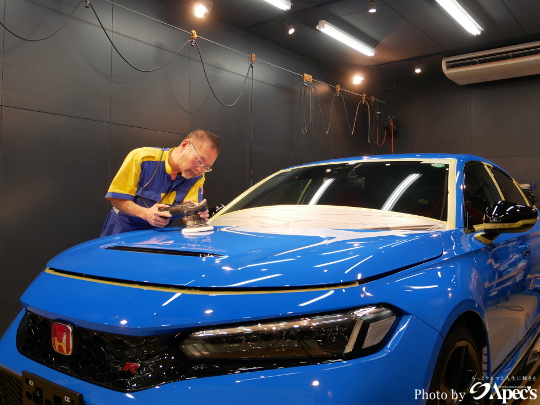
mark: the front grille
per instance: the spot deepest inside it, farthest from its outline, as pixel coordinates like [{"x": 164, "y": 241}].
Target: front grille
[
  {"x": 119, "y": 362},
  {"x": 10, "y": 389},
  {"x": 129, "y": 363},
  {"x": 122, "y": 363}
]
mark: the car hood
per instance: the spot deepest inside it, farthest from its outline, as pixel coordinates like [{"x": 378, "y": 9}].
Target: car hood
[{"x": 248, "y": 257}]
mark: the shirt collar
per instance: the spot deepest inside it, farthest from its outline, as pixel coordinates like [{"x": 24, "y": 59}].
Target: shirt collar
[{"x": 168, "y": 167}]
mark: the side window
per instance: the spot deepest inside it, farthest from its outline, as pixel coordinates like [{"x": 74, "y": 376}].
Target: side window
[
  {"x": 479, "y": 192},
  {"x": 510, "y": 191}
]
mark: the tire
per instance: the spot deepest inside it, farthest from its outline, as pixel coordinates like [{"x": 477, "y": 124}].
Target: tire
[{"x": 458, "y": 367}]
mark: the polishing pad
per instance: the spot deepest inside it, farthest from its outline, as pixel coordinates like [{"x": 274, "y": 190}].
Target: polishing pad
[{"x": 197, "y": 228}]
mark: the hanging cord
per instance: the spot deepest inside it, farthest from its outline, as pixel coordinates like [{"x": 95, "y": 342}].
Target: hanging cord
[
  {"x": 378, "y": 130},
  {"x": 89, "y": 5},
  {"x": 389, "y": 130},
  {"x": 251, "y": 128},
  {"x": 305, "y": 128},
  {"x": 48, "y": 36},
  {"x": 362, "y": 101},
  {"x": 369, "y": 121},
  {"x": 122, "y": 56},
  {"x": 309, "y": 85},
  {"x": 392, "y": 127},
  {"x": 194, "y": 43}
]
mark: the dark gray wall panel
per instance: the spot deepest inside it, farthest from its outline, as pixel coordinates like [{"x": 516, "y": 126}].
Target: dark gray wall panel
[
  {"x": 55, "y": 167},
  {"x": 496, "y": 120},
  {"x": 207, "y": 112},
  {"x": 68, "y": 73},
  {"x": 433, "y": 114},
  {"x": 272, "y": 122},
  {"x": 267, "y": 161},
  {"x": 154, "y": 100},
  {"x": 503, "y": 120},
  {"x": 523, "y": 168},
  {"x": 230, "y": 175}
]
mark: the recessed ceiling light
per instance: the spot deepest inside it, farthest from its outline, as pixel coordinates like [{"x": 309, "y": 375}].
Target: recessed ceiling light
[
  {"x": 358, "y": 78},
  {"x": 202, "y": 8}
]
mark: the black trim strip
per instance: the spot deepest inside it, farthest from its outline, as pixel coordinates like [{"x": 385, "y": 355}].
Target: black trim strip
[
  {"x": 232, "y": 290},
  {"x": 163, "y": 251}
]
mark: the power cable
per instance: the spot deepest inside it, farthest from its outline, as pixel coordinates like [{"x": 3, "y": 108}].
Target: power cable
[
  {"x": 122, "y": 56},
  {"x": 251, "y": 133},
  {"x": 312, "y": 89},
  {"x": 224, "y": 46},
  {"x": 193, "y": 43},
  {"x": 48, "y": 36},
  {"x": 306, "y": 128},
  {"x": 208, "y": 80}
]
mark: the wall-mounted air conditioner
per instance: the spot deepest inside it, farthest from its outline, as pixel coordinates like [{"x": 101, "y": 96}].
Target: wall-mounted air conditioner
[{"x": 495, "y": 64}]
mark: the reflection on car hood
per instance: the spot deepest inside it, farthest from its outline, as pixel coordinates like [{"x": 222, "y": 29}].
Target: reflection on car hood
[
  {"x": 327, "y": 217},
  {"x": 249, "y": 257}
]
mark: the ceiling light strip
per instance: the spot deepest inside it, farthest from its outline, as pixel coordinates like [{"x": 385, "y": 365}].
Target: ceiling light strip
[
  {"x": 345, "y": 38},
  {"x": 282, "y": 4},
  {"x": 453, "y": 8}
]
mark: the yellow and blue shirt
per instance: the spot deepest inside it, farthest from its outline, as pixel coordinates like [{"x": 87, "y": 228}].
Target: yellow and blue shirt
[{"x": 145, "y": 178}]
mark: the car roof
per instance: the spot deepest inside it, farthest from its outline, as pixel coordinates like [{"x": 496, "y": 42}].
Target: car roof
[{"x": 461, "y": 158}]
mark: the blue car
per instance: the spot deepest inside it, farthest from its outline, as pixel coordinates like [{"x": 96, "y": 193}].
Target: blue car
[{"x": 399, "y": 279}]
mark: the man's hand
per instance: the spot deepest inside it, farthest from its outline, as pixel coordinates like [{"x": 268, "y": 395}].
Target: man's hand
[
  {"x": 151, "y": 215},
  {"x": 203, "y": 214},
  {"x": 156, "y": 218}
]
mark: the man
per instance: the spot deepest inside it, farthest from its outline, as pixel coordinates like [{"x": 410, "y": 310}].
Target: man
[{"x": 151, "y": 178}]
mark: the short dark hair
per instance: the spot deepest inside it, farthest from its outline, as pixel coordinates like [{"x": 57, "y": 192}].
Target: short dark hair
[{"x": 205, "y": 136}]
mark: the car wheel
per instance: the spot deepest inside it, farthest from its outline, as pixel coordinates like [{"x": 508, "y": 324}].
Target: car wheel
[{"x": 458, "y": 368}]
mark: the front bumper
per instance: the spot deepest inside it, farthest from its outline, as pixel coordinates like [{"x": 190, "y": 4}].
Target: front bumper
[{"x": 393, "y": 375}]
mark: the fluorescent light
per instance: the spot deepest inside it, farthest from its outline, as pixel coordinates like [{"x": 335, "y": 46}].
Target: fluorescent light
[
  {"x": 453, "y": 8},
  {"x": 345, "y": 38},
  {"x": 282, "y": 4}
]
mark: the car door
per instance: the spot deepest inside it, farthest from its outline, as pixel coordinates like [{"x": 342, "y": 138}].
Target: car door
[{"x": 505, "y": 266}]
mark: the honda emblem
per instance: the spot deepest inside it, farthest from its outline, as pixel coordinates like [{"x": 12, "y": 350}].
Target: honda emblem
[{"x": 62, "y": 338}]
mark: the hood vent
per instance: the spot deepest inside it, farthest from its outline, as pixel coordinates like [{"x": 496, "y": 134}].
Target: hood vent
[{"x": 163, "y": 251}]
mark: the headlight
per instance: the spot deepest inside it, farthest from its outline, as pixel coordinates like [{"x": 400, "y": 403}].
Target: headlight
[{"x": 346, "y": 334}]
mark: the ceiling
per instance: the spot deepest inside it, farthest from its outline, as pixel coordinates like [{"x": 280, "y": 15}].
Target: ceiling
[{"x": 401, "y": 31}]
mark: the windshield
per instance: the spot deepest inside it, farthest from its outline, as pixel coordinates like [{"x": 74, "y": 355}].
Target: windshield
[{"x": 411, "y": 187}]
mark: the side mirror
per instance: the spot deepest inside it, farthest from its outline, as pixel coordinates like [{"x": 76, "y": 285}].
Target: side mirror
[{"x": 505, "y": 217}]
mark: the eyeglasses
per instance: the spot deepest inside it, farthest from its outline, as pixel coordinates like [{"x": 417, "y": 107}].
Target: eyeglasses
[{"x": 199, "y": 161}]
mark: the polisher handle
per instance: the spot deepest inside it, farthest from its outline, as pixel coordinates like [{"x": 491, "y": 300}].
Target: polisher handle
[{"x": 185, "y": 209}]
